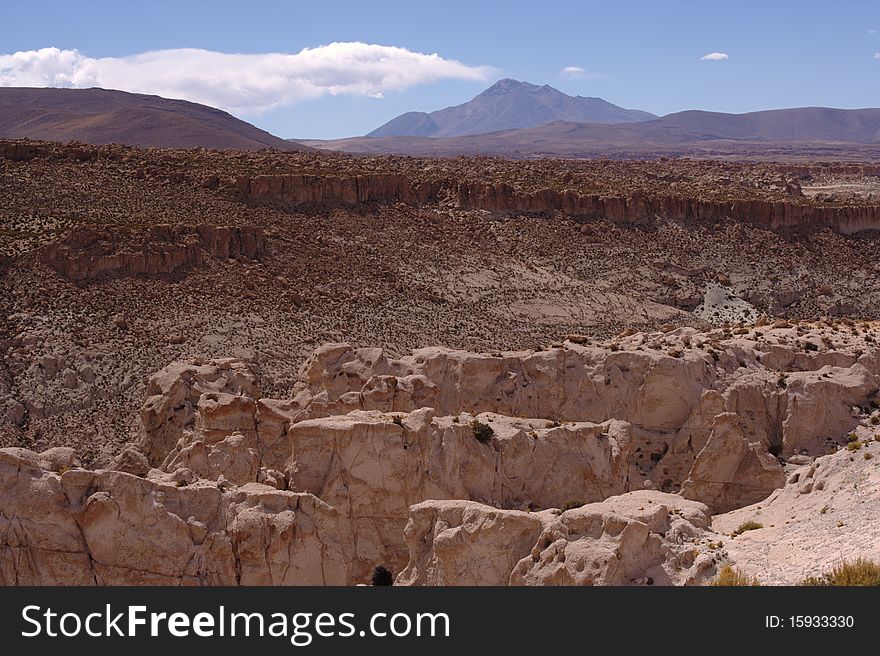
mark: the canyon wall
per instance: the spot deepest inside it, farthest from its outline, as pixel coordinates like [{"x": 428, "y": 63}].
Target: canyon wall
[
  {"x": 86, "y": 252},
  {"x": 389, "y": 188},
  {"x": 577, "y": 464}
]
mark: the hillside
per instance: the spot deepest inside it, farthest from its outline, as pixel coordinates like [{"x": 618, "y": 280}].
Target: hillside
[{"x": 103, "y": 116}]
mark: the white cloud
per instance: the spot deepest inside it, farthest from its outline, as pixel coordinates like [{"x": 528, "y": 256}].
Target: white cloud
[
  {"x": 240, "y": 83},
  {"x": 877, "y": 55},
  {"x": 715, "y": 56},
  {"x": 581, "y": 73}
]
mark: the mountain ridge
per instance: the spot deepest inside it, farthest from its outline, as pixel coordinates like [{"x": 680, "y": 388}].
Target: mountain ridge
[
  {"x": 812, "y": 131},
  {"x": 508, "y": 104}
]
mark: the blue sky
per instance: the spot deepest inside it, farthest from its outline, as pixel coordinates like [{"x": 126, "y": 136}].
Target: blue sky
[{"x": 645, "y": 55}]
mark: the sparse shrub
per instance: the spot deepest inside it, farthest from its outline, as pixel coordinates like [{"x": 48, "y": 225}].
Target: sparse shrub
[
  {"x": 381, "y": 576},
  {"x": 571, "y": 504},
  {"x": 781, "y": 382},
  {"x": 810, "y": 346},
  {"x": 853, "y": 446},
  {"x": 397, "y": 419},
  {"x": 875, "y": 420},
  {"x": 868, "y": 456},
  {"x": 483, "y": 432},
  {"x": 852, "y": 437},
  {"x": 747, "y": 526},
  {"x": 860, "y": 572},
  {"x": 728, "y": 576}
]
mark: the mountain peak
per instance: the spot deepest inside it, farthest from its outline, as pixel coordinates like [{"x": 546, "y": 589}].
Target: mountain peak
[
  {"x": 507, "y": 85},
  {"x": 508, "y": 104}
]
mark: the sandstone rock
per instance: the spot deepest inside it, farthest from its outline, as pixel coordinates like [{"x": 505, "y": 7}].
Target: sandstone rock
[
  {"x": 641, "y": 536},
  {"x": 377, "y": 461},
  {"x": 729, "y": 471},
  {"x": 59, "y": 459},
  {"x": 112, "y": 528},
  {"x": 230, "y": 458},
  {"x": 467, "y": 543},
  {"x": 131, "y": 461},
  {"x": 173, "y": 396},
  {"x": 638, "y": 538}
]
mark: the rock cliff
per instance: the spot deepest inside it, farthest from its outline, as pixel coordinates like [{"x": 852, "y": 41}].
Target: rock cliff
[
  {"x": 580, "y": 464},
  {"x": 87, "y": 253},
  {"x": 639, "y": 207}
]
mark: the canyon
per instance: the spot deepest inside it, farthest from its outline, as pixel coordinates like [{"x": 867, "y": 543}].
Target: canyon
[{"x": 289, "y": 368}]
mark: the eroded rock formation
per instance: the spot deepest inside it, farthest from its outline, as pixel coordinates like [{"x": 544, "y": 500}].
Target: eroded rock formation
[
  {"x": 390, "y": 188},
  {"x": 445, "y": 466},
  {"x": 87, "y": 253}
]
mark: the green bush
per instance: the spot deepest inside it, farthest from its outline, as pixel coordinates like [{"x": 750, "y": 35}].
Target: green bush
[
  {"x": 483, "y": 432},
  {"x": 571, "y": 504},
  {"x": 860, "y": 572},
  {"x": 747, "y": 526}
]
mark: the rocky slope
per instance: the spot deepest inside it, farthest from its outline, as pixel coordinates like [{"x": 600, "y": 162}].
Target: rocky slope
[
  {"x": 103, "y": 116},
  {"x": 580, "y": 464},
  {"x": 117, "y": 261}
]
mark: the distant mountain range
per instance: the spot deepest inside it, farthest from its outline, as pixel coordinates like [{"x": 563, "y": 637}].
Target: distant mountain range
[
  {"x": 508, "y": 104},
  {"x": 100, "y": 116},
  {"x": 469, "y": 129}
]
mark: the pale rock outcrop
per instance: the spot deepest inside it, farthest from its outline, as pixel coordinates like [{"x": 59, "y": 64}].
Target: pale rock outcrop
[
  {"x": 112, "y": 528},
  {"x": 828, "y": 512},
  {"x": 373, "y": 468},
  {"x": 640, "y": 538},
  {"x": 232, "y": 458},
  {"x": 131, "y": 461},
  {"x": 354, "y": 464},
  {"x": 730, "y": 471},
  {"x": 372, "y": 435},
  {"x": 173, "y": 396},
  {"x": 467, "y": 543}
]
